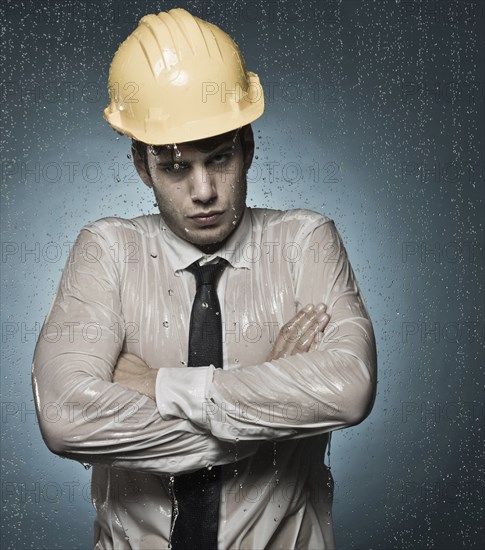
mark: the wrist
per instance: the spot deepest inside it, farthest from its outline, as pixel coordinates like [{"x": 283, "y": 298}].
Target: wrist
[{"x": 181, "y": 393}]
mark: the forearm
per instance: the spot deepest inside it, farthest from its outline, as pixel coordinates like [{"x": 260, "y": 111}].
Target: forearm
[
  {"x": 93, "y": 420},
  {"x": 307, "y": 393},
  {"x": 82, "y": 413},
  {"x": 296, "y": 396}
]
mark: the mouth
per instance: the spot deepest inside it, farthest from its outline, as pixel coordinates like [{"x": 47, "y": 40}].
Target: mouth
[{"x": 203, "y": 219}]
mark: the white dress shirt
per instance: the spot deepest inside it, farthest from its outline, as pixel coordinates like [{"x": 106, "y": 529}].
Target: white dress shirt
[{"x": 125, "y": 288}]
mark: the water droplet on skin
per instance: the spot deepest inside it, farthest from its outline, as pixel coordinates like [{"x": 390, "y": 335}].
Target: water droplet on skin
[
  {"x": 154, "y": 149},
  {"x": 176, "y": 150}
]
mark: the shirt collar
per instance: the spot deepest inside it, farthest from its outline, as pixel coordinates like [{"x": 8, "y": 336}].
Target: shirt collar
[{"x": 181, "y": 253}]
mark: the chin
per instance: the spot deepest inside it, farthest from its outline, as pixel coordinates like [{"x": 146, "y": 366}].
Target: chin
[{"x": 209, "y": 237}]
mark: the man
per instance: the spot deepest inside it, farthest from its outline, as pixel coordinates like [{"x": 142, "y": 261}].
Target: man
[{"x": 120, "y": 351}]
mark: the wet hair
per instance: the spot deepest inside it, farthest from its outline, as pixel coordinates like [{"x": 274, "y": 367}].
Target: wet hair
[{"x": 203, "y": 145}]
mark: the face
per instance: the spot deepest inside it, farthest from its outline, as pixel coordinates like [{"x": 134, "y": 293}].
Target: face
[{"x": 201, "y": 194}]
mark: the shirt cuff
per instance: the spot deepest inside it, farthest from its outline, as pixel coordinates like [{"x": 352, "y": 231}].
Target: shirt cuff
[{"x": 182, "y": 393}]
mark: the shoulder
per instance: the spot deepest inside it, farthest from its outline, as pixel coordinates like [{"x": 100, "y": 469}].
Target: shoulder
[
  {"x": 296, "y": 222},
  {"x": 115, "y": 228}
]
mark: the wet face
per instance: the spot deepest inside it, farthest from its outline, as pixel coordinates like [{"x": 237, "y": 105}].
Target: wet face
[{"x": 201, "y": 194}]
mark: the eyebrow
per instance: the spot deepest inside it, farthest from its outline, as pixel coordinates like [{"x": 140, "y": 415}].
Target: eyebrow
[{"x": 219, "y": 150}]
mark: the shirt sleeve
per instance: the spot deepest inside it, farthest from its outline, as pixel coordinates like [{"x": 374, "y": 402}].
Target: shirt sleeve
[
  {"x": 305, "y": 394},
  {"x": 82, "y": 414}
]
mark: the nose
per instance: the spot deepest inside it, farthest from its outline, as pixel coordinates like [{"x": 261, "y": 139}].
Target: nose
[{"x": 202, "y": 184}]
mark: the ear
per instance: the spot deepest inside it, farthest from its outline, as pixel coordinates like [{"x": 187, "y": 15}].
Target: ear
[
  {"x": 140, "y": 166},
  {"x": 247, "y": 140}
]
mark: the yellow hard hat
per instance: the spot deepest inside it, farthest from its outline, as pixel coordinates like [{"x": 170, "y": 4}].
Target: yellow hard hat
[{"x": 177, "y": 78}]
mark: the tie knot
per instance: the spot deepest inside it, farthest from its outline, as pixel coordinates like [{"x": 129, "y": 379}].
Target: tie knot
[{"x": 207, "y": 274}]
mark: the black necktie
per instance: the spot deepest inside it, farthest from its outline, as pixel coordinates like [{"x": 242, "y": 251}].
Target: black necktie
[{"x": 198, "y": 493}]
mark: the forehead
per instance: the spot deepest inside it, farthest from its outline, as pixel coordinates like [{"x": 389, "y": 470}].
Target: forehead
[{"x": 201, "y": 146}]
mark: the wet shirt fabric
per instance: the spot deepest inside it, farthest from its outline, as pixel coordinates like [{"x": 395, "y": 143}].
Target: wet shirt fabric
[{"x": 125, "y": 288}]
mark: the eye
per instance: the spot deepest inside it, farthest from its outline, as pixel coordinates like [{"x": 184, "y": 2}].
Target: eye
[
  {"x": 176, "y": 168},
  {"x": 222, "y": 158}
]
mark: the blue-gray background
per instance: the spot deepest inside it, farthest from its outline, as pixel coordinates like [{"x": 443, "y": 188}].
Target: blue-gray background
[{"x": 374, "y": 116}]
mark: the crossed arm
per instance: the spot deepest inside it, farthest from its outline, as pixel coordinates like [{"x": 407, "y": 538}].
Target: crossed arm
[
  {"x": 329, "y": 385},
  {"x": 86, "y": 416},
  {"x": 300, "y": 335}
]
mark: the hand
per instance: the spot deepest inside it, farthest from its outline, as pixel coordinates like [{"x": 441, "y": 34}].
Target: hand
[
  {"x": 133, "y": 373},
  {"x": 302, "y": 333}
]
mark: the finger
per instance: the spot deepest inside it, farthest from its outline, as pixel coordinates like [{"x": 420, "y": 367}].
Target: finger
[
  {"x": 298, "y": 333},
  {"x": 310, "y": 327},
  {"x": 310, "y": 320},
  {"x": 320, "y": 333},
  {"x": 299, "y": 323},
  {"x": 315, "y": 343},
  {"x": 288, "y": 333},
  {"x": 307, "y": 311},
  {"x": 304, "y": 342},
  {"x": 323, "y": 320},
  {"x": 302, "y": 332}
]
